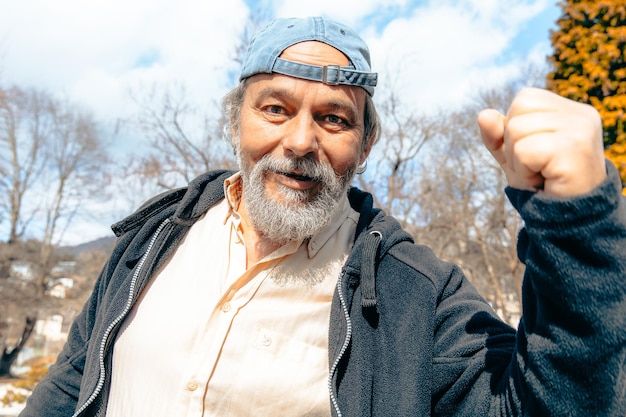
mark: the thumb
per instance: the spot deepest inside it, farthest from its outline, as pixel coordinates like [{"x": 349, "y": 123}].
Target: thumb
[{"x": 491, "y": 124}]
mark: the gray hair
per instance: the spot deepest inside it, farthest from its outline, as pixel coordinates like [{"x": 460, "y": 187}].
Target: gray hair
[{"x": 233, "y": 100}]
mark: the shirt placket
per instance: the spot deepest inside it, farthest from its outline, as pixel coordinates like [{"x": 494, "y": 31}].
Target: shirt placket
[{"x": 207, "y": 352}]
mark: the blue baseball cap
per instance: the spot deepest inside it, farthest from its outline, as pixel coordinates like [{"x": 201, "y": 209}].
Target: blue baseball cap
[{"x": 263, "y": 52}]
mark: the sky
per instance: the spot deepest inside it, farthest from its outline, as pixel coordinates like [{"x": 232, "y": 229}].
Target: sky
[{"x": 437, "y": 53}]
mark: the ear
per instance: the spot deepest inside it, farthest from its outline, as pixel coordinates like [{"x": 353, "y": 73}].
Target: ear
[
  {"x": 366, "y": 151},
  {"x": 234, "y": 136}
]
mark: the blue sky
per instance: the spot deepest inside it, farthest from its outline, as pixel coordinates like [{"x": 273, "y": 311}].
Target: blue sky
[
  {"x": 440, "y": 52},
  {"x": 535, "y": 31}
]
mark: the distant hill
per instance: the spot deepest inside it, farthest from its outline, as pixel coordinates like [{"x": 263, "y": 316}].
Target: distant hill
[{"x": 103, "y": 243}]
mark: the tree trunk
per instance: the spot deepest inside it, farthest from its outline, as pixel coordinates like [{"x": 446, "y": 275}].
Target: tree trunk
[{"x": 9, "y": 354}]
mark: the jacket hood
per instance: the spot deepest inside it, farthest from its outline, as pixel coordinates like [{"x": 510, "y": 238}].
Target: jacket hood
[{"x": 375, "y": 236}]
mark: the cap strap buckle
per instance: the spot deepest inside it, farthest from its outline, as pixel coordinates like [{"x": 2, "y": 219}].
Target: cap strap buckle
[{"x": 325, "y": 77}]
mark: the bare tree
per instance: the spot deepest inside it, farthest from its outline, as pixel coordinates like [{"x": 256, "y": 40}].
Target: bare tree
[
  {"x": 185, "y": 138},
  {"x": 396, "y": 158},
  {"x": 75, "y": 163},
  {"x": 52, "y": 158},
  {"x": 23, "y": 131}
]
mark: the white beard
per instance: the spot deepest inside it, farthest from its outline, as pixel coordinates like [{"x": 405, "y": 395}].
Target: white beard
[{"x": 298, "y": 215}]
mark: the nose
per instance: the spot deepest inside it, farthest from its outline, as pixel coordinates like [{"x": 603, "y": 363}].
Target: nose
[{"x": 300, "y": 139}]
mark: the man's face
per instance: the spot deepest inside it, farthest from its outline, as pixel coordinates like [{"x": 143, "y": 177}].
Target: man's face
[{"x": 299, "y": 144}]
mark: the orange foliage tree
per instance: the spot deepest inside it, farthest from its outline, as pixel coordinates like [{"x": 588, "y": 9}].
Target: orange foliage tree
[{"x": 589, "y": 66}]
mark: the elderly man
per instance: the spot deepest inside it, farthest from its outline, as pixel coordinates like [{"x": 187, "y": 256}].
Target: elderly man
[{"x": 280, "y": 291}]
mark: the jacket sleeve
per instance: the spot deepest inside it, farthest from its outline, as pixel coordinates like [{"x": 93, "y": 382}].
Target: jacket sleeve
[
  {"x": 568, "y": 357},
  {"x": 572, "y": 341}
]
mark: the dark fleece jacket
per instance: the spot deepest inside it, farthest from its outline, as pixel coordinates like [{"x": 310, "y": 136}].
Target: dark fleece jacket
[{"x": 409, "y": 335}]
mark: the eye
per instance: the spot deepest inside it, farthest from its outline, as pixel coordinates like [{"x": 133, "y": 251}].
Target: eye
[
  {"x": 275, "y": 109},
  {"x": 335, "y": 122},
  {"x": 335, "y": 119},
  {"x": 274, "y": 112}
]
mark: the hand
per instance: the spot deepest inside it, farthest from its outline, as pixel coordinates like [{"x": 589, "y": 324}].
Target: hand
[{"x": 546, "y": 142}]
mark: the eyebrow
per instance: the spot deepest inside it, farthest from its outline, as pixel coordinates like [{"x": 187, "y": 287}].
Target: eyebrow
[
  {"x": 349, "y": 108},
  {"x": 279, "y": 93}
]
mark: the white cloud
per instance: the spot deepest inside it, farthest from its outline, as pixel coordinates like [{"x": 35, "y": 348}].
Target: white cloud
[
  {"x": 435, "y": 53},
  {"x": 438, "y": 51},
  {"x": 95, "y": 51}
]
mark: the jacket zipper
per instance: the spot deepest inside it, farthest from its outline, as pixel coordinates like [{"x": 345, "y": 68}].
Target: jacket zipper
[
  {"x": 344, "y": 347},
  {"x": 120, "y": 317}
]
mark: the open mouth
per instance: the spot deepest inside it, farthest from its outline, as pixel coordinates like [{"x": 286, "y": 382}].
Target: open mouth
[{"x": 298, "y": 177}]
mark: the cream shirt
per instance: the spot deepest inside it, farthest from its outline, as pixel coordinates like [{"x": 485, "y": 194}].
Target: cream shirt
[{"x": 210, "y": 338}]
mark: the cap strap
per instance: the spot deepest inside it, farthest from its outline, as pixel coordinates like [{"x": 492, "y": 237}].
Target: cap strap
[{"x": 327, "y": 74}]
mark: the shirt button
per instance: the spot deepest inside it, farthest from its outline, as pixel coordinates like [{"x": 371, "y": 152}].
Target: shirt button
[
  {"x": 192, "y": 386},
  {"x": 226, "y": 307},
  {"x": 266, "y": 341}
]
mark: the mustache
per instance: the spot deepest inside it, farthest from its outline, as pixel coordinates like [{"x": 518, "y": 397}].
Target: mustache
[{"x": 299, "y": 168}]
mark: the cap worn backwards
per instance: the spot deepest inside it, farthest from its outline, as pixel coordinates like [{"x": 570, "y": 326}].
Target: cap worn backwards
[{"x": 263, "y": 55}]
